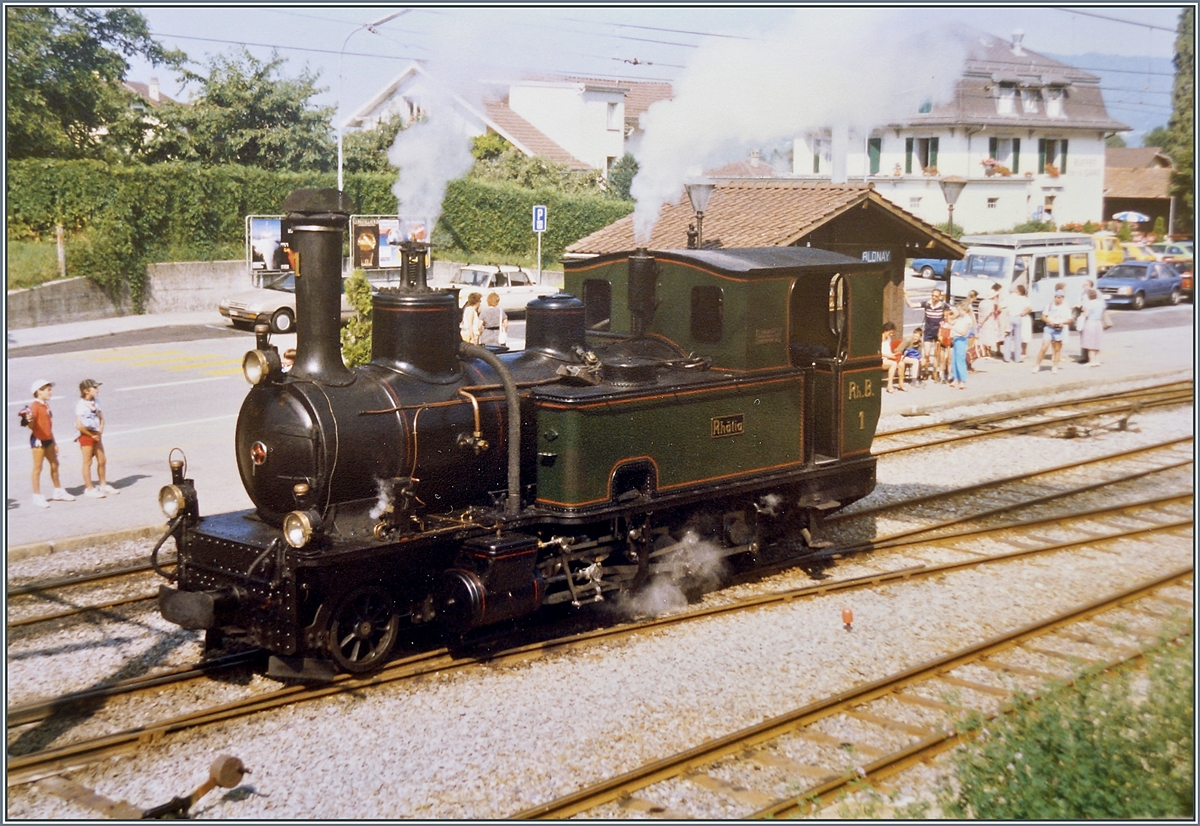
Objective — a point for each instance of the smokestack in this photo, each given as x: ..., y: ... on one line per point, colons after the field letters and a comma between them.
x: 642, y: 303
x: 318, y: 218
x: 1018, y: 36
x: 840, y: 144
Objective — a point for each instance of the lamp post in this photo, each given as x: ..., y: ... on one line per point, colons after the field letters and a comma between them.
x: 371, y: 28
x: 952, y: 187
x: 698, y: 194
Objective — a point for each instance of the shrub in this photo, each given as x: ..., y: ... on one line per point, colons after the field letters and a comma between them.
x: 1104, y: 748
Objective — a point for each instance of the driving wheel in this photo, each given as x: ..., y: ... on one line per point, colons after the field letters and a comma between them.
x: 363, y: 629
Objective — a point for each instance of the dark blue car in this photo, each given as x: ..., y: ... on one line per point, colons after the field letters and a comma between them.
x: 1138, y: 283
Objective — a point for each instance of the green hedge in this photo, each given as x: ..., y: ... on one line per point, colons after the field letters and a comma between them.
x: 124, y: 217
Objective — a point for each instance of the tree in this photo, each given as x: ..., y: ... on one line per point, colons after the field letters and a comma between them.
x: 1114, y: 142
x: 513, y: 166
x: 1181, y: 139
x: 249, y: 114
x: 1157, y: 136
x: 366, y: 150
x: 64, y: 68
x: 620, y: 177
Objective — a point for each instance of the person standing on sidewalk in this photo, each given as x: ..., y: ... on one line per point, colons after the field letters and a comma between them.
x: 41, y: 440
x: 961, y: 325
x: 89, y: 421
x: 935, y: 311
x: 1056, y: 319
x: 1018, y: 311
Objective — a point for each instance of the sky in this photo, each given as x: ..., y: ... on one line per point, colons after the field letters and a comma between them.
x: 629, y: 42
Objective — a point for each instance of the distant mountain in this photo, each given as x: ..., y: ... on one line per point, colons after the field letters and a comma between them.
x: 1137, y: 90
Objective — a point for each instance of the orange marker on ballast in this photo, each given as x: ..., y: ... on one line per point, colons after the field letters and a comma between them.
x: 847, y: 618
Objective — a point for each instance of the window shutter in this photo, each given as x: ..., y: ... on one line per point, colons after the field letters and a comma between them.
x: 874, y: 147
x: 1062, y: 156
x: 993, y: 147
x: 933, y: 146
x: 1041, y: 156
x: 908, y: 150
x: 1016, y: 155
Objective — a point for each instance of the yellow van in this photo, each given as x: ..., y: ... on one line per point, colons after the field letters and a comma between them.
x: 1109, y: 251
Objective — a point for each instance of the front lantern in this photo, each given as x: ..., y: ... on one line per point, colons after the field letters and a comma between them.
x: 299, y: 527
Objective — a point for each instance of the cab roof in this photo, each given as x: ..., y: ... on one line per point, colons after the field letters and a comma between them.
x: 741, y: 261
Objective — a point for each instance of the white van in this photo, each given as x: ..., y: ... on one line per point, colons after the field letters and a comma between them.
x: 1039, y: 260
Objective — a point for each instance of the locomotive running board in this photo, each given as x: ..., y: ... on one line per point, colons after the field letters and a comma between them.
x: 300, y: 668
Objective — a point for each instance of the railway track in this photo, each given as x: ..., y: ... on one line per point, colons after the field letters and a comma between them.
x: 1154, y: 518
x: 718, y: 767
x: 1118, y: 408
x: 49, y: 591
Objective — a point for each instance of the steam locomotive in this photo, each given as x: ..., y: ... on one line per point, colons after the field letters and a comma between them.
x: 726, y: 394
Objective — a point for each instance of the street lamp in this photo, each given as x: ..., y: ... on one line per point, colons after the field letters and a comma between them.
x: 698, y: 194
x: 952, y: 187
x: 371, y: 28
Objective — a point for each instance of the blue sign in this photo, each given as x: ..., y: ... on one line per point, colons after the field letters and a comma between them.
x: 539, y: 219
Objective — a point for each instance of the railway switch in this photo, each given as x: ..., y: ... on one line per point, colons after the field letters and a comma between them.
x: 226, y: 771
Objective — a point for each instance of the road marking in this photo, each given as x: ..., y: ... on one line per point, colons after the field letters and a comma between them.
x: 169, y: 384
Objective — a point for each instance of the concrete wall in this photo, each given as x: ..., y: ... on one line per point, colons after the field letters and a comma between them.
x: 193, y: 285
x: 171, y: 288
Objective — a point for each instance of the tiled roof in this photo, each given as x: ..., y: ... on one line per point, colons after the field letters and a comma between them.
x: 640, y: 95
x: 752, y: 167
x: 992, y: 61
x: 1137, y: 157
x: 142, y: 90
x: 1145, y: 182
x: 753, y: 213
x: 527, y: 136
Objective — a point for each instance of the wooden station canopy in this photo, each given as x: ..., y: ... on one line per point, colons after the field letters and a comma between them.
x: 851, y: 218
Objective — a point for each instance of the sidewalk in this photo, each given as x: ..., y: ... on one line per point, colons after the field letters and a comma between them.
x: 56, y: 333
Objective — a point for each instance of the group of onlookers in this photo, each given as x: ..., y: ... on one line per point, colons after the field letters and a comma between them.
x: 944, y: 347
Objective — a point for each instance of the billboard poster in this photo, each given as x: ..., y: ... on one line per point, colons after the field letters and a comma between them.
x: 389, y: 242
x: 266, y: 240
x: 366, y: 246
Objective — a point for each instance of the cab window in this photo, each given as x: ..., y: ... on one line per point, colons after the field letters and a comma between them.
x: 837, y: 305
x: 597, y: 304
x: 708, y: 314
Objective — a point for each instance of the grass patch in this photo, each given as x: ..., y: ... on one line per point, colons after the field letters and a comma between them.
x: 31, y: 263
x: 1114, y: 745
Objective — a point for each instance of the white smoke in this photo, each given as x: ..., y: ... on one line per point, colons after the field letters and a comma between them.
x: 429, y: 154
x: 828, y: 68
x: 692, y: 562
x: 384, y: 501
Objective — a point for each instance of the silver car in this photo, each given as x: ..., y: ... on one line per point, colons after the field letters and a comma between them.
x: 274, y: 303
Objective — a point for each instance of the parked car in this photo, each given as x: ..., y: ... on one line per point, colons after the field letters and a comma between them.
x: 273, y: 303
x: 1109, y: 252
x: 1136, y: 252
x: 515, y: 287
x: 1171, y: 252
x: 930, y: 267
x: 1138, y: 283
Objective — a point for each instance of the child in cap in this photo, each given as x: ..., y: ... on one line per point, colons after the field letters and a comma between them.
x: 89, y: 421
x: 41, y: 440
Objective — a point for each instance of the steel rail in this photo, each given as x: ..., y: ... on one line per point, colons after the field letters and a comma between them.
x: 84, y: 579
x: 874, y: 545
x: 609, y: 790
x: 991, y: 483
x: 987, y: 418
x: 27, y: 768
x: 1019, y: 428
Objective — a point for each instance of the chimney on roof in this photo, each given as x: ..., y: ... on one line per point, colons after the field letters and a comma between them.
x: 755, y: 157
x: 154, y: 89
x: 841, y: 145
x: 1018, y: 36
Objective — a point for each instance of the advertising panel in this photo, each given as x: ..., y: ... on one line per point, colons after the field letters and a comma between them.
x: 377, y: 238
x: 267, y: 249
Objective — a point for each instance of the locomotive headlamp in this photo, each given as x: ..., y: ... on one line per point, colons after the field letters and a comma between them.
x: 260, y: 364
x: 172, y: 500
x: 299, y: 527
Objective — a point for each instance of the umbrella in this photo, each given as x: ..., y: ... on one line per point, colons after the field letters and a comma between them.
x: 1131, y: 217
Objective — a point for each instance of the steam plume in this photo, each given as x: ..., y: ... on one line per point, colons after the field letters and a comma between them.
x: 839, y: 69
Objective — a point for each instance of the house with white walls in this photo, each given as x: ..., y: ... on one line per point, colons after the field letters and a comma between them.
x: 584, y: 123
x: 1026, y: 132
